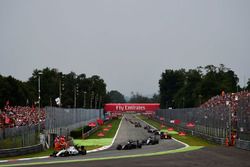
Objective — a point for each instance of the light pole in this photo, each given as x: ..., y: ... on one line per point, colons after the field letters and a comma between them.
x: 39, y: 100
x: 91, y: 98
x: 61, y: 88
x: 100, y: 100
x: 75, y: 94
x: 84, y: 99
x: 96, y: 99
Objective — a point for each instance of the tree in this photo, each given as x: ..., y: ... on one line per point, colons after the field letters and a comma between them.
x: 115, y: 96
x: 179, y: 88
x: 49, y: 81
x: 73, y: 87
x: 14, y: 91
x: 138, y: 98
x: 248, y: 85
x: 187, y: 96
x: 171, y: 81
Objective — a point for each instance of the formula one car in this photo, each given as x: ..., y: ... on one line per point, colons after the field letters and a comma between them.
x: 129, y: 146
x: 165, y: 136
x: 71, y: 151
x: 152, y: 140
x: 154, y: 131
x: 137, y: 124
x: 147, y: 127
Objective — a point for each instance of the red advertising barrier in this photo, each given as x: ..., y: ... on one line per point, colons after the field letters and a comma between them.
x: 190, y: 125
x: 170, y: 129
x: 100, y: 121
x: 123, y: 107
x: 176, y: 121
x: 92, y: 124
x: 163, y: 126
x: 182, y: 134
x: 105, y: 129
x: 100, y: 134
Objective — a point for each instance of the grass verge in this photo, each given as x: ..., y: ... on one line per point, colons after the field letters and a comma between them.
x: 109, y: 134
x: 190, y: 140
x: 106, y: 140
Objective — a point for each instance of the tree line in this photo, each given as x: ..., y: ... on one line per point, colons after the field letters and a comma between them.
x: 177, y: 88
x: 72, y: 90
x: 190, y: 88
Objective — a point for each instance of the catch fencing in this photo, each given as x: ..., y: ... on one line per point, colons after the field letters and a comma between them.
x: 19, y: 137
x: 243, y: 124
x: 209, y: 123
x: 214, y: 123
x: 61, y: 121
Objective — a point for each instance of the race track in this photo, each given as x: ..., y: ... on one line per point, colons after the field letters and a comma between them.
x: 127, y: 131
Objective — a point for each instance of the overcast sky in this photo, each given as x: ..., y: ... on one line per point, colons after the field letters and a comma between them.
x: 129, y: 43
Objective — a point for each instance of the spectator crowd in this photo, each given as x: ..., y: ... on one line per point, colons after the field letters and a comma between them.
x: 228, y: 99
x: 16, y: 116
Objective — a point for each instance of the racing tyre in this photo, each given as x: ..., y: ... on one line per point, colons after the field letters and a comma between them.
x: 119, y: 147
x: 83, y: 152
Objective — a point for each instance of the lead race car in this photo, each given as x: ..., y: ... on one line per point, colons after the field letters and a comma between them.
x: 129, y: 146
x: 70, y: 151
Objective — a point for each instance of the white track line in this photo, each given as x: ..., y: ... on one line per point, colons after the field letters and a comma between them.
x: 186, y: 145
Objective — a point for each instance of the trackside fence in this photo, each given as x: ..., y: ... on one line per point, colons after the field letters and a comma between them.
x: 243, y: 124
x: 213, y: 124
x: 209, y: 124
x: 60, y: 121
x: 19, y: 137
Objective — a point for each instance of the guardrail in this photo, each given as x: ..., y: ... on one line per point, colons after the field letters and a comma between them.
x: 87, y: 134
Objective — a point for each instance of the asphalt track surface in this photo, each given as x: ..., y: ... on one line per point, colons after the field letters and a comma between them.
x: 211, y: 156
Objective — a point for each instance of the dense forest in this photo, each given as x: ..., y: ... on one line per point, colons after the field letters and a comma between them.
x: 177, y: 88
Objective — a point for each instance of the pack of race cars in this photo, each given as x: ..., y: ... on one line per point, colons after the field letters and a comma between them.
x: 151, y: 140
x: 65, y: 147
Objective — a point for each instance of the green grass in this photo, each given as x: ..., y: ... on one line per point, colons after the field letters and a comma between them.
x: 190, y: 140
x: 93, y: 139
x: 170, y: 132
